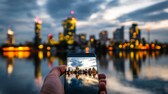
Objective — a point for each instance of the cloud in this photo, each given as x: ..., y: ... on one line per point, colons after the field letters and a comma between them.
x: 155, y: 25
x: 17, y: 14
x: 76, y: 63
x: 113, y: 16
x: 41, y: 2
x: 83, y: 9
x: 93, y: 15
x: 153, y: 12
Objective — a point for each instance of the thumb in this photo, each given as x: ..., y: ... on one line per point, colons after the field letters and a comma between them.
x: 58, y: 71
x: 52, y: 83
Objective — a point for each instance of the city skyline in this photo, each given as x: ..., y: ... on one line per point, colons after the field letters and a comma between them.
x: 106, y: 15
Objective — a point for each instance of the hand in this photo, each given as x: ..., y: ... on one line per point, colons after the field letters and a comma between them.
x: 102, y: 84
x: 52, y: 83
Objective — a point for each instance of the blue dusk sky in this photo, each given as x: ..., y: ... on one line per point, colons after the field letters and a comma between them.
x: 93, y: 16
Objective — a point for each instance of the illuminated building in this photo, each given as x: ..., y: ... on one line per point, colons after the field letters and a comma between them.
x: 10, y: 37
x: 20, y: 48
x: 61, y: 37
x: 135, y: 34
x: 69, y: 26
x: 92, y: 40
x: 103, y: 36
x: 118, y: 34
x: 82, y: 38
x: 37, y: 38
x: 51, y: 40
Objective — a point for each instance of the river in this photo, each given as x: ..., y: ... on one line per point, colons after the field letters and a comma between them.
x: 139, y: 72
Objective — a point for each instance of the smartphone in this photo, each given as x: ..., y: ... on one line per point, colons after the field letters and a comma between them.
x: 81, y: 74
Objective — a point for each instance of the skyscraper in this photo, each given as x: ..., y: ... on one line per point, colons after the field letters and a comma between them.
x: 10, y: 37
x: 69, y: 26
x: 37, y: 38
x: 103, y: 36
x: 118, y: 34
x: 82, y: 38
x: 61, y: 37
x: 135, y: 34
x: 92, y: 40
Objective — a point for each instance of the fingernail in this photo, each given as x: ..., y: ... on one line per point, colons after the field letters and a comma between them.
x: 102, y: 76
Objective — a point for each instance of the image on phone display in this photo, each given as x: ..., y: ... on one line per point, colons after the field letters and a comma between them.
x: 81, y: 76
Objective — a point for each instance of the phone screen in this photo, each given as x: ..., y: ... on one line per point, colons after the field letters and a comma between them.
x: 81, y: 74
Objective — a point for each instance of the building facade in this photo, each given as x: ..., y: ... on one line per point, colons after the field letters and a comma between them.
x: 103, y: 37
x: 118, y: 34
x: 10, y: 37
x: 135, y: 34
x: 69, y: 26
x: 37, y: 38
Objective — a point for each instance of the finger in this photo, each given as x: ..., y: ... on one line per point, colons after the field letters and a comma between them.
x: 102, y: 80
x: 58, y: 71
x: 102, y: 76
x: 102, y: 92
x: 102, y: 86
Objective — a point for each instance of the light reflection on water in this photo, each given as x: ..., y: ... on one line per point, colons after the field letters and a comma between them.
x: 127, y: 72
x: 135, y: 72
x: 81, y: 84
x: 87, y: 80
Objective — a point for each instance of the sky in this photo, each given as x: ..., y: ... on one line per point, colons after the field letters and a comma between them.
x: 82, y: 62
x: 93, y: 16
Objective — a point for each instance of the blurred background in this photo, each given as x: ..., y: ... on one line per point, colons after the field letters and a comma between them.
x: 128, y: 37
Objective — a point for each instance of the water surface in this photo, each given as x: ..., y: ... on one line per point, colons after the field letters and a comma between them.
x: 127, y: 72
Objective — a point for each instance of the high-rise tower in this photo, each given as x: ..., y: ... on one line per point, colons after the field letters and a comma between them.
x: 135, y: 34
x: 103, y: 36
x: 69, y: 26
x: 37, y: 38
x: 118, y: 34
x: 10, y: 37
